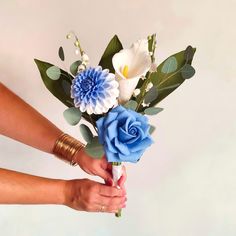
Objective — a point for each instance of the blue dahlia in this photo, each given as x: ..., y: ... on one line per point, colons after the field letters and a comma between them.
x: 95, y: 90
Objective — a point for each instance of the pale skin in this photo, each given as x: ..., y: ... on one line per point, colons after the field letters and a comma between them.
x: 19, y: 121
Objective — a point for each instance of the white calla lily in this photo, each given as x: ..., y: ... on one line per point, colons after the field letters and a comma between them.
x: 130, y: 65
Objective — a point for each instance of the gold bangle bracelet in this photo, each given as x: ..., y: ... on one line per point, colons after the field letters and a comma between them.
x: 66, y: 147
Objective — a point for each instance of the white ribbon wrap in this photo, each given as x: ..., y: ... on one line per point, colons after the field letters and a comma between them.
x: 116, y: 173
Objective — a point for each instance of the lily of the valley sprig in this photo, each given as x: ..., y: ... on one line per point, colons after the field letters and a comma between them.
x: 117, y: 95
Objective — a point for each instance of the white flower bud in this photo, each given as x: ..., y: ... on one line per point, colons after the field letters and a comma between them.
x: 149, y: 86
x: 145, y: 104
x: 81, y: 67
x: 85, y: 58
x: 136, y: 92
x: 143, y: 77
x: 77, y: 51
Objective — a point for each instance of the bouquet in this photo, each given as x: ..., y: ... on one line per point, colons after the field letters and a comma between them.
x: 117, y: 96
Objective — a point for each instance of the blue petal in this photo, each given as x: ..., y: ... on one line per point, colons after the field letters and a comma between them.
x: 110, y: 117
x: 122, y: 147
x: 112, y: 157
x: 100, y: 127
x: 124, y: 136
x: 140, y: 145
x: 112, y: 130
x: 110, y: 145
x: 133, y: 157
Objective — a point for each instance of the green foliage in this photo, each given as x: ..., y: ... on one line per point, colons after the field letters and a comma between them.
x: 53, y: 72
x: 169, y: 66
x: 151, y: 95
x: 152, y: 110
x: 131, y: 104
x: 113, y: 47
x: 61, y: 53
x: 94, y: 149
x: 72, y: 115
x: 152, y: 129
x: 59, y: 88
x: 74, y: 67
x: 86, y: 133
x: 187, y: 72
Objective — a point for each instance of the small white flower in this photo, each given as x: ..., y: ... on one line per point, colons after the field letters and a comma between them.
x: 143, y: 77
x: 77, y: 51
x: 149, y: 86
x: 85, y: 58
x: 81, y: 67
x: 136, y: 92
x: 145, y: 104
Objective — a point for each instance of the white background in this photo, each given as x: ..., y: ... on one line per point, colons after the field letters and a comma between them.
x: 186, y: 183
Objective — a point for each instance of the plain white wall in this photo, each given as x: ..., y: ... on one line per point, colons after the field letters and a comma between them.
x: 186, y: 183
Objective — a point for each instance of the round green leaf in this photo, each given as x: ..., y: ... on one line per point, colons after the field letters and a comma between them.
x: 74, y: 67
x: 131, y: 105
x: 53, y: 72
x: 94, y: 149
x: 61, y: 53
x: 170, y: 65
x: 153, y: 110
x: 187, y: 71
x: 151, y: 95
x: 72, y: 115
x: 152, y: 129
x: 86, y: 133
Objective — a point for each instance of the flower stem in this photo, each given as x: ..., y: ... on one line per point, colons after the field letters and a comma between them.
x: 117, y: 214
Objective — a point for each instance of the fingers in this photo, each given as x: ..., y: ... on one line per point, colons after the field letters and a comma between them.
x: 123, y: 178
x: 105, y: 175
x: 109, y: 191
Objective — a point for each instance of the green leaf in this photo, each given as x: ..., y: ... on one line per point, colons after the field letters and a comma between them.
x: 53, y: 72
x: 59, y: 88
x: 170, y: 65
x: 74, y: 67
x: 113, y: 47
x: 189, y: 53
x: 187, y: 71
x: 86, y: 133
x: 152, y: 129
x: 61, y: 53
x: 152, y: 110
x: 131, y: 105
x: 72, y: 115
x: 151, y: 95
x: 94, y: 149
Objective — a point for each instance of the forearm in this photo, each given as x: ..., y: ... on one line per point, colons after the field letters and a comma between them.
x: 18, y: 120
x: 19, y: 188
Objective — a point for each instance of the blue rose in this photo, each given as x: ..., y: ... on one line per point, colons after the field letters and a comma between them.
x: 124, y: 134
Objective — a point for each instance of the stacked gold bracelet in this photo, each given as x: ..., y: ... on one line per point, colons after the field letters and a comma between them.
x: 66, y: 147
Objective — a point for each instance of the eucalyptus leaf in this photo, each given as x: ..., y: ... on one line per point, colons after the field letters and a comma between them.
x: 59, y: 88
x: 152, y: 129
x: 74, y: 67
x: 113, y: 47
x: 86, y: 133
x: 170, y: 65
x: 61, y: 53
x: 72, y: 115
x: 95, y: 149
x: 153, y: 110
x: 187, y: 71
x: 53, y: 73
x: 151, y: 95
x: 131, y: 105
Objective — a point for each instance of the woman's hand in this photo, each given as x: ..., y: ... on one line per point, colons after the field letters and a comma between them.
x: 99, y: 167
x: 91, y: 196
